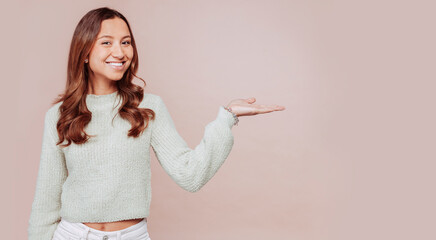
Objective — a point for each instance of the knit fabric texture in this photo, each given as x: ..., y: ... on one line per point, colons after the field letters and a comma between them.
x: 108, y: 178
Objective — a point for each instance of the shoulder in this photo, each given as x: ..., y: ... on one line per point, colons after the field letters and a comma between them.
x: 150, y: 100
x: 52, y: 114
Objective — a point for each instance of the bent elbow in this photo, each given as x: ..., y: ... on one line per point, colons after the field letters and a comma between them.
x: 192, y: 188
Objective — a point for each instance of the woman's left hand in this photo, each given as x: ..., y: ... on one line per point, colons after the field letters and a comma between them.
x: 246, y: 107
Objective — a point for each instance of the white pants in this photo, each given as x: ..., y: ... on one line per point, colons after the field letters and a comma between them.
x: 79, y: 231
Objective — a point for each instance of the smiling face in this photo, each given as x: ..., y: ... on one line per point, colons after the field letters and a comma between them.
x: 112, y: 53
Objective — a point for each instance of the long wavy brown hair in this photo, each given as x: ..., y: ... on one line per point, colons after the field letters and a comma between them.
x: 74, y: 114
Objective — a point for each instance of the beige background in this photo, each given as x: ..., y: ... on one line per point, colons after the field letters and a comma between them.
x: 350, y: 158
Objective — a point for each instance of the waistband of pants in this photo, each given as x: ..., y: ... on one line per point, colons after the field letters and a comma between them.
x: 85, y: 230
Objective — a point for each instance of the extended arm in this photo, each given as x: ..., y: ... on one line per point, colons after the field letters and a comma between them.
x: 191, y: 168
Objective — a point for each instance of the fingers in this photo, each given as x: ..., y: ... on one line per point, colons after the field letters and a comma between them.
x: 279, y: 108
x: 261, y: 108
x: 269, y: 108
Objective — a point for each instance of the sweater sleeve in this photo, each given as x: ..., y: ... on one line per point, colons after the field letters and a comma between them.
x: 191, y: 168
x: 44, y: 216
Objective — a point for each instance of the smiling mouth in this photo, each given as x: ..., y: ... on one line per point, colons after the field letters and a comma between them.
x: 116, y: 65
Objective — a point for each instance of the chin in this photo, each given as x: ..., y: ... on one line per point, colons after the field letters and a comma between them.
x: 116, y: 78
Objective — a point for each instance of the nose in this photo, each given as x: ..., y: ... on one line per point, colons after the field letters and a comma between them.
x: 117, y: 51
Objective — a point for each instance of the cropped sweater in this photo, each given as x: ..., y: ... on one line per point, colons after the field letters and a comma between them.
x: 108, y: 178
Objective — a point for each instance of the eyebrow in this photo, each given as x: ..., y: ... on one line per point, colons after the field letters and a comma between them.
x: 127, y: 36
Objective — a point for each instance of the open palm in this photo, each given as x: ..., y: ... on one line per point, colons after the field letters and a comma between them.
x: 246, y: 107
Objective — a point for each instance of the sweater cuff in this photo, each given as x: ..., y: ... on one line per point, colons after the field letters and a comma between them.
x: 226, y: 117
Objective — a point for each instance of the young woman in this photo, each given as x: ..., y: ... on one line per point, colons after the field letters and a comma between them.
x: 94, y: 173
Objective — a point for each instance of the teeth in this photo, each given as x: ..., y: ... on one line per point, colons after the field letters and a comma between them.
x: 116, y: 64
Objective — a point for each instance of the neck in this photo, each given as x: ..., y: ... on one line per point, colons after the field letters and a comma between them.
x: 102, y: 102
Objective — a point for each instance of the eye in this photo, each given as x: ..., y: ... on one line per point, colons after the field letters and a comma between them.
x: 104, y: 43
x: 127, y: 42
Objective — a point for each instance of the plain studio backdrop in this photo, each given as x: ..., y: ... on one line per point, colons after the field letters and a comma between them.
x: 351, y: 157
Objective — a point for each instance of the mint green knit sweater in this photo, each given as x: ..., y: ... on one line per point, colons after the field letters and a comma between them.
x: 108, y: 178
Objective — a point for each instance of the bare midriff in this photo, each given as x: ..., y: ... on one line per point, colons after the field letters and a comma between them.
x: 114, y: 226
